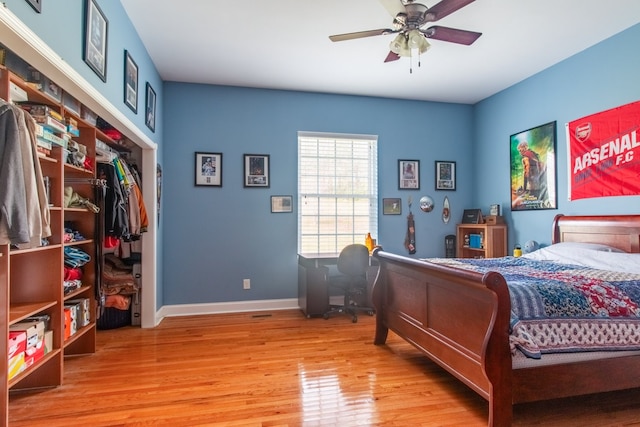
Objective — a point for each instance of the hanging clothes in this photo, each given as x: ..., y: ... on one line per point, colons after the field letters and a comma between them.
x: 116, y: 219
x: 14, y: 227
x: 25, y: 216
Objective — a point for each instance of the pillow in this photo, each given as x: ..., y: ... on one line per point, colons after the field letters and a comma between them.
x: 593, y: 255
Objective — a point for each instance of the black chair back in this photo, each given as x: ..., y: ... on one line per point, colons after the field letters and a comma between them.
x: 353, y: 260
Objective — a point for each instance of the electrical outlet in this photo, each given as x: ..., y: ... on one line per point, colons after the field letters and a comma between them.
x: 246, y: 284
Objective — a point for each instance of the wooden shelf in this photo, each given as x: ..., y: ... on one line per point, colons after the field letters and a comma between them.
x: 79, y: 242
x: 79, y: 334
x: 33, y: 368
x: 49, y: 247
x: 33, y: 277
x: 493, y: 245
x: 18, y: 312
x: 81, y: 290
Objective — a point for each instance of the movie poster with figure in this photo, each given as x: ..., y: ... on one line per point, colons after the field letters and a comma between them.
x: 533, y: 168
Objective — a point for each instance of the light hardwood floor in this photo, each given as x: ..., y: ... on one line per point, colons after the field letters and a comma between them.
x: 278, y: 369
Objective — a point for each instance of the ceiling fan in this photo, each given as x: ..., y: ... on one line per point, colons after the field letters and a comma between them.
x: 408, y: 19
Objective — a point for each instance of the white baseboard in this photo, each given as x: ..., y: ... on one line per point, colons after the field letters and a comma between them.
x: 225, y: 307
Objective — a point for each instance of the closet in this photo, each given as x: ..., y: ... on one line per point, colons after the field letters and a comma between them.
x: 122, y: 222
x: 54, y: 282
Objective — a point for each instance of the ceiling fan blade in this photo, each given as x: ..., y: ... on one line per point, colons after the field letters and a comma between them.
x: 393, y: 6
x: 452, y: 35
x: 392, y: 57
x: 444, y: 8
x: 360, y: 34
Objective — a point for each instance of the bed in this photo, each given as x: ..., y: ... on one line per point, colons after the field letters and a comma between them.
x: 461, y: 319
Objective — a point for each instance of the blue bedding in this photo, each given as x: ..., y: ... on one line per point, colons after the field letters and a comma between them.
x: 564, y: 308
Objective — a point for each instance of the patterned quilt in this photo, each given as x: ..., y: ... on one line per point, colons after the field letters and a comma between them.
x: 564, y: 308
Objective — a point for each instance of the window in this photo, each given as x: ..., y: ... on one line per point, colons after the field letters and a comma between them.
x: 337, y: 190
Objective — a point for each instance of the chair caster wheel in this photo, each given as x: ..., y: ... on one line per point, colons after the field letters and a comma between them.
x: 354, y: 319
x: 325, y: 316
x: 370, y: 313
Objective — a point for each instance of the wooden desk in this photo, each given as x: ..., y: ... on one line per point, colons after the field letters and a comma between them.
x: 313, y: 288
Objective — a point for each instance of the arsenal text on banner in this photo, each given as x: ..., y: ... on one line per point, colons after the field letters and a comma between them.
x: 604, y: 153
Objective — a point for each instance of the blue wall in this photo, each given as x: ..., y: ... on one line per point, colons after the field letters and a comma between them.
x: 61, y: 26
x: 216, y: 237
x: 599, y: 78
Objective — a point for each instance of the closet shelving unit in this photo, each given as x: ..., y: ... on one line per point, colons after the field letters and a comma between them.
x: 31, y: 279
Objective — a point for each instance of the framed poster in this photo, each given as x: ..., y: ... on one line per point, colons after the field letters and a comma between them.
x: 256, y: 170
x: 96, y: 29
x: 150, y: 109
x: 36, y: 5
x: 130, y: 82
x: 208, y: 169
x: 533, y: 168
x: 409, y: 174
x: 391, y: 206
x: 445, y: 175
x: 281, y: 204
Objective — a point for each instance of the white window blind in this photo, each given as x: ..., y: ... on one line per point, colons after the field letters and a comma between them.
x: 337, y: 190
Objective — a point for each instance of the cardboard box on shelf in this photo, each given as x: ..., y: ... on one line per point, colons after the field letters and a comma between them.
x: 88, y: 116
x: 71, y: 104
x: 43, y: 84
x: 34, y: 330
x: 67, y: 323
x: 493, y: 220
x: 17, y: 94
x: 33, y: 354
x: 17, y: 343
x: 48, y: 341
x: 83, y: 311
x: 16, y: 365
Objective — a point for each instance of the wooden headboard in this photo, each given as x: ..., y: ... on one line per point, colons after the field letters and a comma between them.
x: 618, y: 231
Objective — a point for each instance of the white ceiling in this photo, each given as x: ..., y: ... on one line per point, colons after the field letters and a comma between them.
x: 284, y: 44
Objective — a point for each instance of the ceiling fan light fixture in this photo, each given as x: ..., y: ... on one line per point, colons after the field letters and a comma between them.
x: 415, y: 39
x: 399, y: 45
x: 424, y: 45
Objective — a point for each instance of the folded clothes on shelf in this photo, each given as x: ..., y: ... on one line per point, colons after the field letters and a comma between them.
x: 74, y: 257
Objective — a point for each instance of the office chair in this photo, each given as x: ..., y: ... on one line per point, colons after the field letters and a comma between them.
x: 353, y: 263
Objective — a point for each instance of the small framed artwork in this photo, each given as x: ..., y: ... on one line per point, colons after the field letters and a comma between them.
x: 409, y: 174
x: 208, y: 169
x: 256, y: 170
x: 445, y: 175
x: 494, y: 210
x: 35, y: 4
x: 96, y: 28
x: 533, y: 168
x: 130, y: 82
x: 280, y: 204
x: 391, y: 206
x: 150, y: 109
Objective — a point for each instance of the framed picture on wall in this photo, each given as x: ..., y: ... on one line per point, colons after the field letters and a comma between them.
x: 35, y: 4
x: 533, y: 168
x: 130, y: 82
x: 95, y: 39
x: 445, y: 175
x: 208, y: 169
x: 391, y: 206
x: 281, y: 204
x: 150, y: 109
x: 256, y: 170
x: 409, y: 174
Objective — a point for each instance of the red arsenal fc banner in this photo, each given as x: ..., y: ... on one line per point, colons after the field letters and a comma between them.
x: 604, y: 153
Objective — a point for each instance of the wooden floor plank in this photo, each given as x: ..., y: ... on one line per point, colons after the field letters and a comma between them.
x: 277, y: 369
